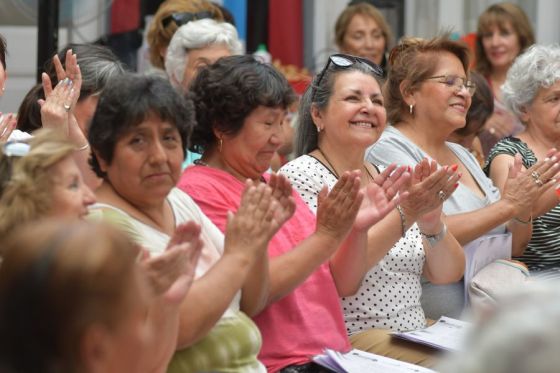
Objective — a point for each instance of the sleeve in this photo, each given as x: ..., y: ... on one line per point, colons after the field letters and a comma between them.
x: 116, y: 219
x: 391, y: 149
x: 510, y: 147
x: 305, y: 184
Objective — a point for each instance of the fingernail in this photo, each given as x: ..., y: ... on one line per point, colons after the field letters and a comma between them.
x: 557, y: 191
x: 456, y: 185
x: 554, y: 159
x: 547, y: 159
x: 454, y: 167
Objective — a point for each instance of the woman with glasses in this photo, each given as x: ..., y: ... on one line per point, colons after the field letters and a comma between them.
x: 313, y: 260
x: 532, y: 92
x: 428, y: 95
x: 341, y: 115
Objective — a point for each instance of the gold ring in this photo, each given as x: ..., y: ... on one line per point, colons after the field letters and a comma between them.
x: 441, y: 194
x: 535, y: 175
x: 539, y: 182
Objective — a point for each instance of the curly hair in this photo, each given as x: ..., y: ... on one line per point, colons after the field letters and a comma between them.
x: 412, y: 61
x: 128, y: 100
x: 159, y: 35
x: 27, y: 181
x: 226, y: 92
x: 58, y: 279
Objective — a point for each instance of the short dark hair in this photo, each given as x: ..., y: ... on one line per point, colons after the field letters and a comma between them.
x: 29, y: 112
x: 3, y: 51
x: 226, y: 92
x: 125, y: 103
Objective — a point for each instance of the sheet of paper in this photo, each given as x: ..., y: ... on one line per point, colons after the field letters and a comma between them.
x: 483, y: 251
x: 446, y: 334
x: 357, y: 361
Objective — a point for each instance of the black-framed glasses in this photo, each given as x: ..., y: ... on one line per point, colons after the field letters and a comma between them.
x: 344, y: 61
x: 183, y: 18
x: 455, y: 82
x: 15, y: 148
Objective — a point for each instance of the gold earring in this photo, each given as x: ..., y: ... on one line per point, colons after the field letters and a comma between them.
x: 411, y: 109
x: 221, y: 142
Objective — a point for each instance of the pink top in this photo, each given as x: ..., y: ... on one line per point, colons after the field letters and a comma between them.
x: 308, y: 319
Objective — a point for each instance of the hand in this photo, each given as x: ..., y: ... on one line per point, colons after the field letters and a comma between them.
x: 171, y: 274
x: 500, y: 124
x: 282, y: 193
x: 375, y: 206
x: 55, y: 109
x: 424, y: 191
x: 337, y: 209
x: 71, y: 71
x: 251, y: 228
x: 8, y: 124
x: 393, y: 180
x: 524, y: 187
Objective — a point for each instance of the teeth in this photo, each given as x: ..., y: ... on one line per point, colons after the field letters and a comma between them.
x: 363, y: 124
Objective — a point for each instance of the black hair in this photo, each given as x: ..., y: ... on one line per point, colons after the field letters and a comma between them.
x: 226, y: 92
x: 3, y: 51
x: 125, y: 103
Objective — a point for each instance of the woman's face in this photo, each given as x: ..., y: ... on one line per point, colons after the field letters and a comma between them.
x: 364, y: 38
x: 146, y: 162
x: 355, y: 115
x: 70, y: 196
x: 501, y: 45
x: 544, y: 112
x: 439, y: 104
x: 250, y: 151
x: 200, y: 58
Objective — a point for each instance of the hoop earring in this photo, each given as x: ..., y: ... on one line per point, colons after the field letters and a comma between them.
x: 411, y: 109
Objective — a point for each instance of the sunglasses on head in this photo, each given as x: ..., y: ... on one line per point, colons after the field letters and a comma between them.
x: 183, y: 18
x: 344, y: 61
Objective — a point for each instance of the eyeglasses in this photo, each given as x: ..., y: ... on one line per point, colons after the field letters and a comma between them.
x: 344, y: 61
x: 15, y: 149
x: 455, y: 82
x: 183, y: 18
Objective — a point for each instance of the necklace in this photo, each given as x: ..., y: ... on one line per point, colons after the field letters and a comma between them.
x: 333, y: 170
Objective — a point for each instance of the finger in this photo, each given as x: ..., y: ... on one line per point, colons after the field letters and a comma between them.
x: 47, y: 84
x: 60, y: 73
x: 383, y: 176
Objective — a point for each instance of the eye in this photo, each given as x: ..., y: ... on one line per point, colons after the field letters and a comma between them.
x: 450, y: 80
x: 136, y: 140
x: 352, y: 98
x: 377, y: 101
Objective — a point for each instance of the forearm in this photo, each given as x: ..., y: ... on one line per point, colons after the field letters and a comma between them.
x: 163, y: 323
x: 349, y: 263
x: 521, y: 235
x: 209, y: 297
x: 290, y: 269
x: 445, y: 262
x: 545, y: 203
x: 255, y: 290
x: 466, y: 227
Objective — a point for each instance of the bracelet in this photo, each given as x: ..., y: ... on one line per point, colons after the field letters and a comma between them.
x: 524, y: 222
x: 403, y: 220
x: 433, y: 239
x: 83, y: 147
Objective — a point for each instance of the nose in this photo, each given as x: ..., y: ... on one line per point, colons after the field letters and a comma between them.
x: 88, y: 196
x: 369, y: 42
x: 157, y: 152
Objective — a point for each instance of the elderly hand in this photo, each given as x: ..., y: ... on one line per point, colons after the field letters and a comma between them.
x: 282, y: 193
x: 393, y: 180
x: 171, y: 274
x: 337, y: 209
x: 524, y: 187
x: 55, y: 109
x: 428, y: 189
x: 255, y: 222
x: 500, y: 124
x: 8, y: 124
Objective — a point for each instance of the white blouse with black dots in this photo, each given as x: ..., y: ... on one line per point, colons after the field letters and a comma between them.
x: 389, y: 297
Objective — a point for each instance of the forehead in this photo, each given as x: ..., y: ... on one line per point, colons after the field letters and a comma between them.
x: 450, y: 64
x: 362, y: 21
x: 210, y: 52
x: 355, y: 80
x: 496, y: 21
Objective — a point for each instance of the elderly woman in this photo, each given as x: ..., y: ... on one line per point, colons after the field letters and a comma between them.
x: 342, y: 113
x: 532, y: 92
x: 170, y: 16
x: 42, y: 180
x: 361, y: 30
x: 138, y: 147
x: 103, y: 328
x: 240, y: 107
x: 428, y: 95
x: 196, y: 45
x: 503, y: 33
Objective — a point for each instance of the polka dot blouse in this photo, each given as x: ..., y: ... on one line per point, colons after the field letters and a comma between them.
x: 389, y: 297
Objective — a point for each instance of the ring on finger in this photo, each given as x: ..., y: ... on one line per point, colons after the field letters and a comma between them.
x: 441, y: 194
x: 535, y: 175
x: 67, y: 107
x: 538, y: 182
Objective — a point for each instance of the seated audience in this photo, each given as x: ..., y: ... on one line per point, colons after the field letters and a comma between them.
x: 532, y: 92
x: 427, y: 96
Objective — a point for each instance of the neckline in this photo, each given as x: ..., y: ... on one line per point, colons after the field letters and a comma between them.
x: 333, y: 171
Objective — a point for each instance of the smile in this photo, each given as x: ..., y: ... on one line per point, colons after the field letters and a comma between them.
x: 367, y: 125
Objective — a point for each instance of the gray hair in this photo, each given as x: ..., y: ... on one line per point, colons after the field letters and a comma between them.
x: 195, y: 35
x: 538, y: 67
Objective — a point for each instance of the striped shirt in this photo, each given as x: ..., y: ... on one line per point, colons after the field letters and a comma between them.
x: 543, y: 250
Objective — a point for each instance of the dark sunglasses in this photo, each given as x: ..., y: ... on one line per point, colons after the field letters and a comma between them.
x: 183, y: 18
x: 344, y: 61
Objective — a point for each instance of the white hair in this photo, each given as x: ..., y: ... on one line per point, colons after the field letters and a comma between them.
x: 195, y: 35
x: 538, y: 67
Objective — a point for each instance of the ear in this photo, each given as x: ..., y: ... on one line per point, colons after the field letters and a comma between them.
x: 524, y: 114
x: 217, y: 133
x: 407, y: 92
x: 102, y: 163
x: 95, y: 348
x: 317, y: 116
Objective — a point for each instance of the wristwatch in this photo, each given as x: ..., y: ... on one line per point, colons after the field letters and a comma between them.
x: 433, y: 239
